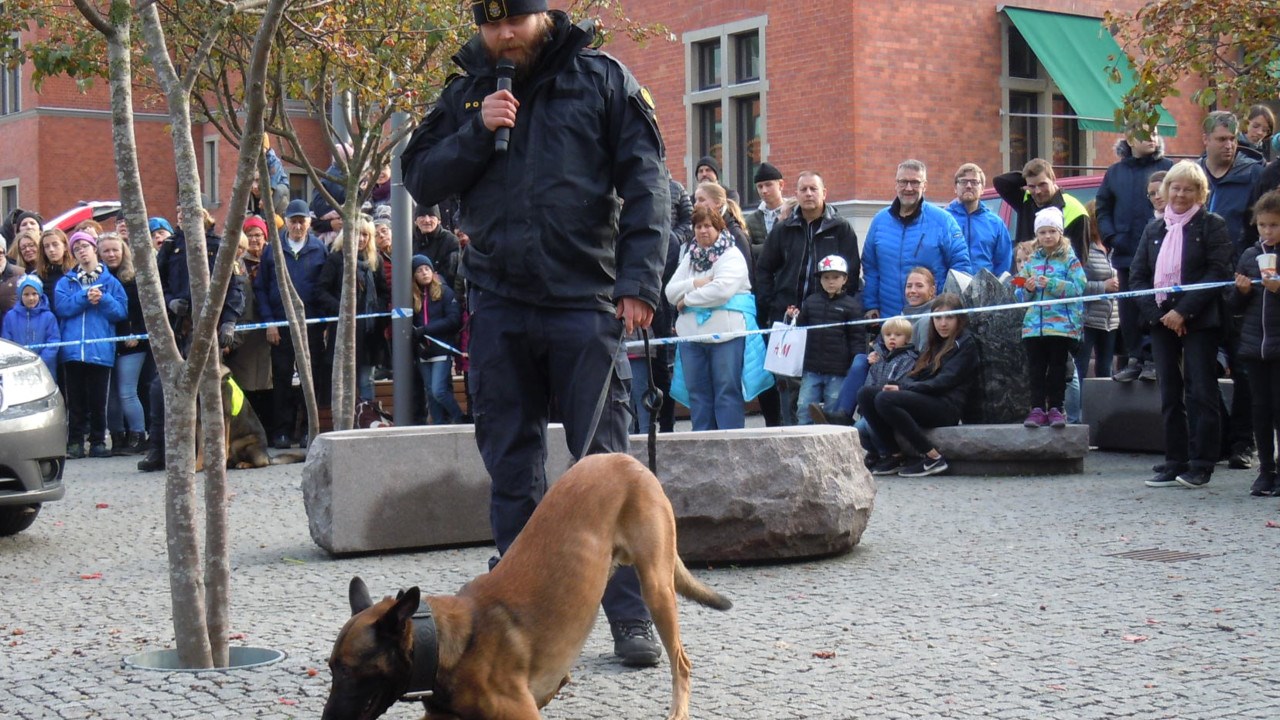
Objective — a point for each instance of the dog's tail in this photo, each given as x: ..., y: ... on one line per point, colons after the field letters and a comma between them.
x: 689, y: 586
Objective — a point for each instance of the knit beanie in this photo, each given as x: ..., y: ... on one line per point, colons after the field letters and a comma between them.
x: 420, y: 260
x: 1049, y: 217
x: 81, y: 236
x: 709, y: 162
x: 253, y: 221
x: 766, y: 172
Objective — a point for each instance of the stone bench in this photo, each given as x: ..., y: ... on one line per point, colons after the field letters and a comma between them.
x: 1011, y: 449
x: 1126, y: 416
x: 738, y: 495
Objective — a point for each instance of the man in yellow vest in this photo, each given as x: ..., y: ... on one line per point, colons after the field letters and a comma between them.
x: 1034, y: 189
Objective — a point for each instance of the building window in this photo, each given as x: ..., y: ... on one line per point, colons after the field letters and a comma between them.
x: 726, y: 101
x: 1039, y: 122
x: 10, y: 84
x: 299, y: 186
x: 210, y: 178
x: 8, y: 197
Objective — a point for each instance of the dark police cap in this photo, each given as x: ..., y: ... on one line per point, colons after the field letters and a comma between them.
x: 487, y: 11
x: 767, y: 172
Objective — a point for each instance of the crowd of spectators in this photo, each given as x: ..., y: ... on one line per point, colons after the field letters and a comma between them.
x: 729, y: 271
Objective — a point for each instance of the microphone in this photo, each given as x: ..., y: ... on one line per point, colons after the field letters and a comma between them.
x: 506, y: 70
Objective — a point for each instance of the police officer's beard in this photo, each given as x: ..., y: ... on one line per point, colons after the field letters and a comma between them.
x: 527, y: 60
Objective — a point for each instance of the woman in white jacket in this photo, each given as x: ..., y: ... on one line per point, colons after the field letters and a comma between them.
x: 710, y: 290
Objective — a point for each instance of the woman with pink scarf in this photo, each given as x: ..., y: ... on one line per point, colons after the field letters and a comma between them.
x: 1187, y: 244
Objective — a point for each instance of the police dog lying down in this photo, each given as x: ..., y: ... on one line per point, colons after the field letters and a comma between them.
x: 246, y: 437
x: 506, y: 641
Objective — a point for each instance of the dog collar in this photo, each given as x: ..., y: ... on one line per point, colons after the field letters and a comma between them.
x: 426, y: 657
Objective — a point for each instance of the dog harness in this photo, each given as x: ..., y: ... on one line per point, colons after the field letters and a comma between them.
x: 237, y: 397
x: 426, y: 660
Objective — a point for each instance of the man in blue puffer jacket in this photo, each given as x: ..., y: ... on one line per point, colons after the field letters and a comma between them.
x: 990, y: 246
x: 907, y: 234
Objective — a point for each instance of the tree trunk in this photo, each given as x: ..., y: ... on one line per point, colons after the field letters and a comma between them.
x: 345, y: 386
x: 217, y: 553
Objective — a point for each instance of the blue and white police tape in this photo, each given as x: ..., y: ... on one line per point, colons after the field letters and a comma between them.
x: 247, y: 327
x: 638, y: 345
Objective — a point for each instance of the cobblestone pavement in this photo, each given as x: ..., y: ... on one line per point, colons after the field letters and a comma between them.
x: 968, y: 598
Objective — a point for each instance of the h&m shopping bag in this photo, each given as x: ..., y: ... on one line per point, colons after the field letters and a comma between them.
x: 785, y: 355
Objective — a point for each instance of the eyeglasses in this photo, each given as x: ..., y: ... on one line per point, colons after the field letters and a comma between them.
x: 969, y: 183
x: 1153, y: 195
x: 910, y: 183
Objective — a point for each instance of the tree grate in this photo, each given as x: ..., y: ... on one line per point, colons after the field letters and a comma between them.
x: 1159, y: 555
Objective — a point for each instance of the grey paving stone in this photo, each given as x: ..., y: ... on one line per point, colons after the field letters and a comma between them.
x: 967, y: 598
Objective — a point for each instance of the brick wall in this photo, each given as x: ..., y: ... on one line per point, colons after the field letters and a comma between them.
x: 854, y: 88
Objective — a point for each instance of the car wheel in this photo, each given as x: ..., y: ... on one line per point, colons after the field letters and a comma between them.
x: 17, y: 518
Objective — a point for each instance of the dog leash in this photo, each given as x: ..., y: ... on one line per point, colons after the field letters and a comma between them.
x: 652, y: 400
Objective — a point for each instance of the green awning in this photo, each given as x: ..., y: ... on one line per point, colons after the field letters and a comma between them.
x: 1074, y: 49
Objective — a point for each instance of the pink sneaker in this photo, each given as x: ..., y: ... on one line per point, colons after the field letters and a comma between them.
x: 1056, y: 418
x: 1035, y: 419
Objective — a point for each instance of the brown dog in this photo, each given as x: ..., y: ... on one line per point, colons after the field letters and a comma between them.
x: 507, y: 640
x: 246, y: 437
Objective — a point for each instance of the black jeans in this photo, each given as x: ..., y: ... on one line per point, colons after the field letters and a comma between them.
x: 1137, y: 343
x: 1265, y: 378
x: 88, y: 386
x: 1240, y: 420
x: 284, y: 396
x: 1187, y: 368
x: 1046, y: 356
x: 905, y: 412
x: 1100, y: 346
x: 525, y: 358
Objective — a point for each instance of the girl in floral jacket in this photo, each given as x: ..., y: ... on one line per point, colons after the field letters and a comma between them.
x: 1050, y: 332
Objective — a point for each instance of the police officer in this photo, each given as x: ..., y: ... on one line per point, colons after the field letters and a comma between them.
x: 568, y: 233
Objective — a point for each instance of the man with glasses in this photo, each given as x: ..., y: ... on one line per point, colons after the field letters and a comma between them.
x: 989, y: 245
x: 1124, y: 209
x: 909, y: 233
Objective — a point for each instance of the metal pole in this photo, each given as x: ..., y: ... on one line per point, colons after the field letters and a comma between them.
x: 401, y: 296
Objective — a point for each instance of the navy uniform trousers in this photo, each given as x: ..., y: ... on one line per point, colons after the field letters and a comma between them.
x: 524, y: 359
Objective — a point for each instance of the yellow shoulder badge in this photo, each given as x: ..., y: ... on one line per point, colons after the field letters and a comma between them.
x: 648, y: 99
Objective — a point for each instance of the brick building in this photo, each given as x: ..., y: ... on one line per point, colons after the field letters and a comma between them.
x: 851, y: 88
x: 845, y: 88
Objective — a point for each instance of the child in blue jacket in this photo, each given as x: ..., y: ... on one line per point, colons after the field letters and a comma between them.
x: 31, y: 322
x: 1051, y: 332
x: 90, y: 301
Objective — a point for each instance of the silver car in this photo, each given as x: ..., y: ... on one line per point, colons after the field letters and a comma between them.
x: 33, y: 437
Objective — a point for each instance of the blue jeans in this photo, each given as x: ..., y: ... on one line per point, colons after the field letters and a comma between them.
x: 817, y: 388
x: 364, y: 381
x: 847, y: 402
x: 437, y: 378
x: 124, y: 411
x: 639, y: 386
x: 1072, y: 409
x: 713, y: 376
x: 870, y: 441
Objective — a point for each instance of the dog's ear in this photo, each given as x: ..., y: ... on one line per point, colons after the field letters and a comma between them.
x: 358, y: 595
x: 406, y: 605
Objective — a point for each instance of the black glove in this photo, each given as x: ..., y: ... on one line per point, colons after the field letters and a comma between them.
x: 226, y: 334
x: 180, y: 307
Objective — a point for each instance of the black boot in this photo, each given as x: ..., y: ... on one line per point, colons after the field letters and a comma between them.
x: 153, y: 461
x: 135, y: 444
x: 118, y: 443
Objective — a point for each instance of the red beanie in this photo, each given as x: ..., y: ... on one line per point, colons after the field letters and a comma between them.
x: 253, y: 221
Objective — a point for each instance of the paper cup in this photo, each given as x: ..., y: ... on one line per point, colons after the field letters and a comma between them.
x: 1267, y: 261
